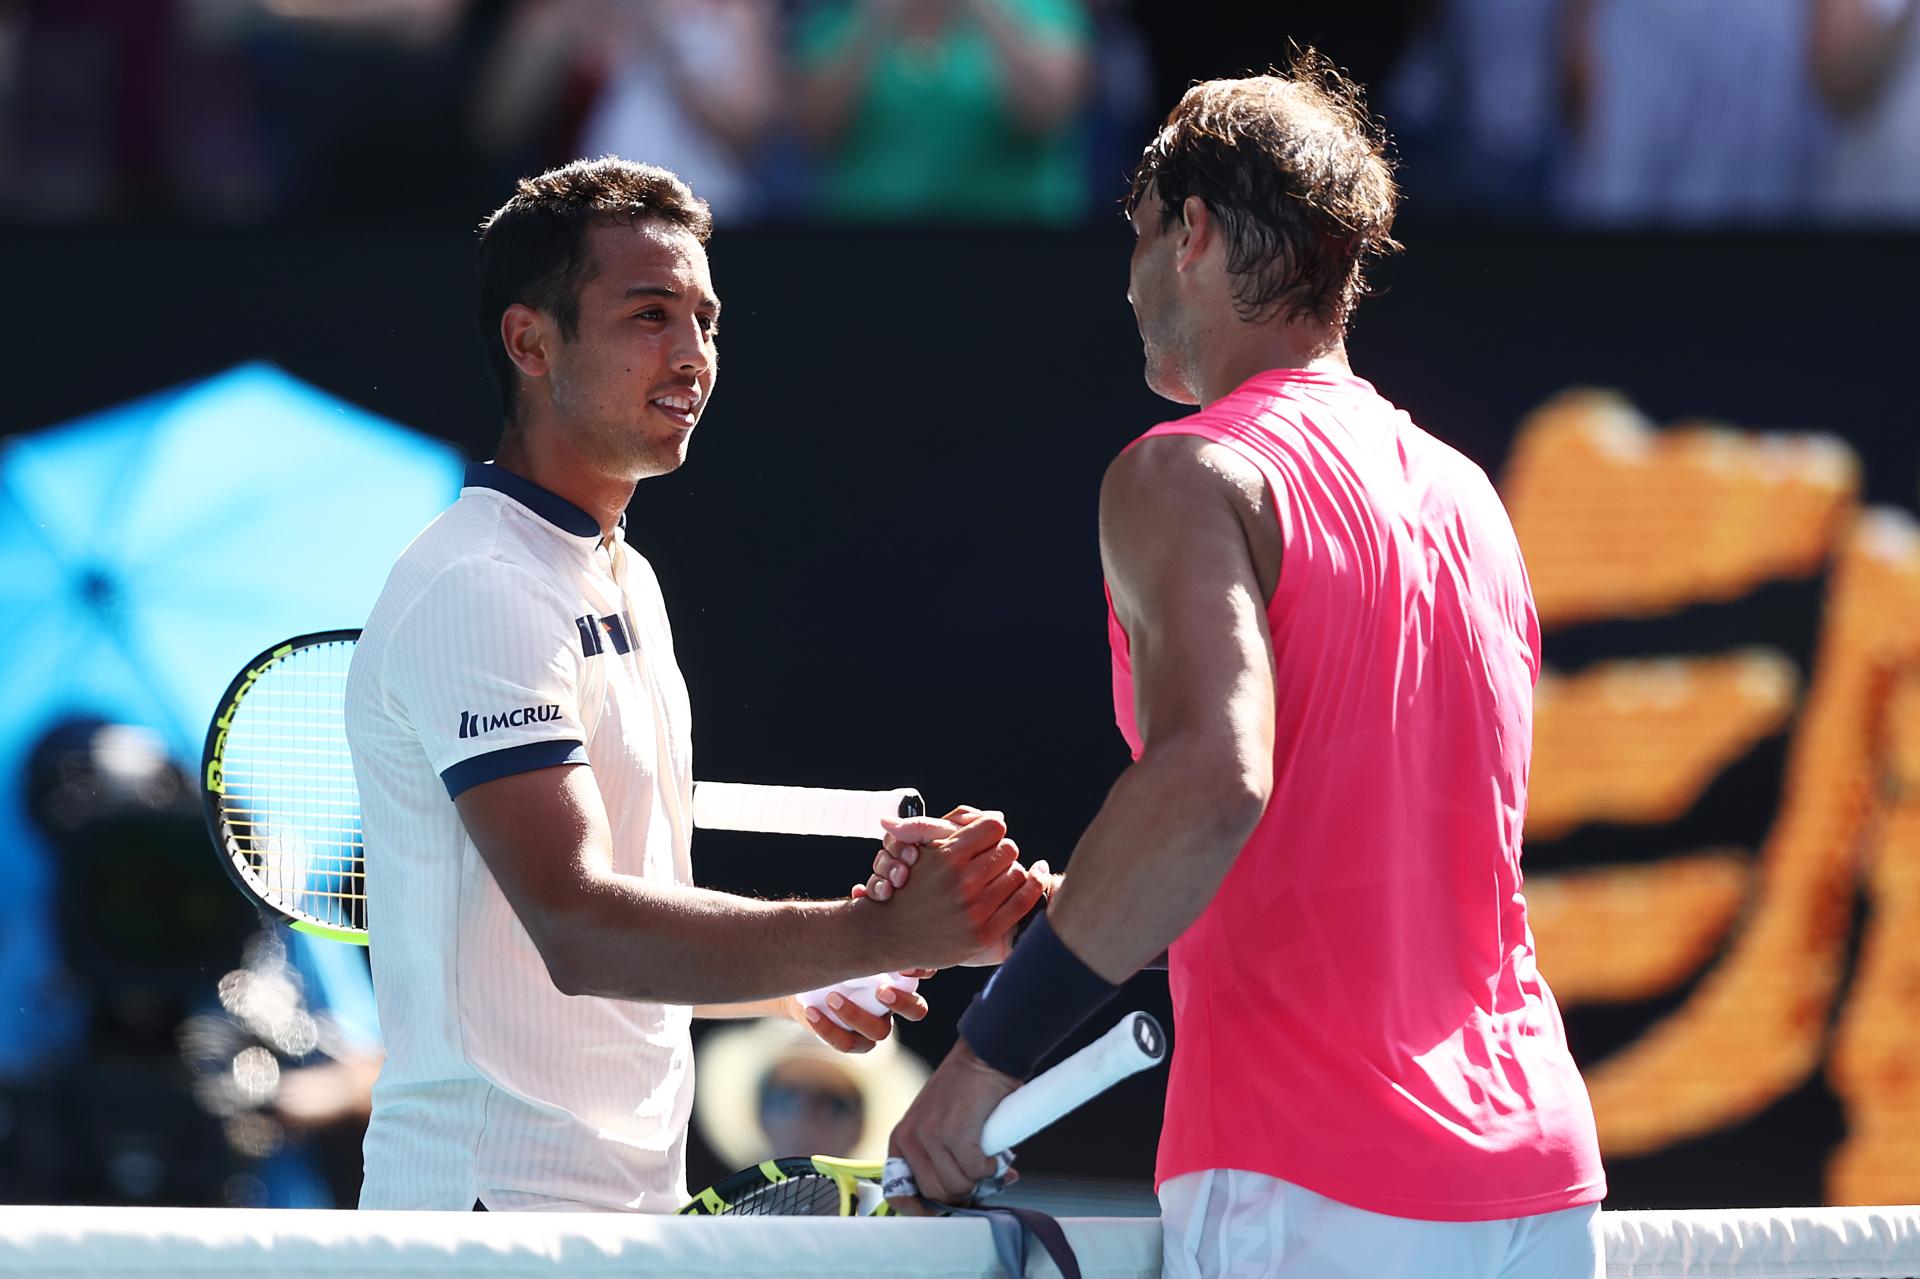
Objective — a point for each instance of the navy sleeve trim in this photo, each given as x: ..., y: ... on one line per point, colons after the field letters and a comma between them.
x: 526, y: 757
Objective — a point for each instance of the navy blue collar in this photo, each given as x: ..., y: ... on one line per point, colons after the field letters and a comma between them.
x: 549, y: 506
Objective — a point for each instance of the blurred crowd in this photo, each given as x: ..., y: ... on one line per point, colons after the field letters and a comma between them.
x: 957, y: 110
x: 1707, y: 112
x: 998, y: 111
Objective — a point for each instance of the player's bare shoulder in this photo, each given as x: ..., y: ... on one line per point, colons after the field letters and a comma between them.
x: 1178, y: 469
x: 1175, y: 482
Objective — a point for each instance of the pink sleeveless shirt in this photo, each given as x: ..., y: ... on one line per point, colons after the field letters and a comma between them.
x: 1358, y: 1011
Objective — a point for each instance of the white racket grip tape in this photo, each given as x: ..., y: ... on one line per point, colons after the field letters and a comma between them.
x: 801, y: 810
x: 864, y: 991
x: 1130, y: 1047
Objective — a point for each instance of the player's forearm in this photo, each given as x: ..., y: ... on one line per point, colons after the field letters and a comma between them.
x: 629, y: 939
x: 781, y: 1007
x: 1154, y: 856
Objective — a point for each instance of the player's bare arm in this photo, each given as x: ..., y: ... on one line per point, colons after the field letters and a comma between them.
x: 1184, y: 538
x: 900, y: 848
x: 1191, y: 564
x: 545, y: 837
x: 1192, y: 553
x: 862, y: 1030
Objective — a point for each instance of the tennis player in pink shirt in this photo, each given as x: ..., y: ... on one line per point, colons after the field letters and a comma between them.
x: 1324, y: 650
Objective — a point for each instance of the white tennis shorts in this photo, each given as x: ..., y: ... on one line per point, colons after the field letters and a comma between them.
x: 1229, y: 1224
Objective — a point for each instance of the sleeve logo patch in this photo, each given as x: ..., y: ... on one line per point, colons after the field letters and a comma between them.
x: 474, y: 723
x: 618, y: 628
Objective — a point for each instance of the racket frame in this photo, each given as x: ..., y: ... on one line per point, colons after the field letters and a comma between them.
x: 213, y: 791
x: 213, y: 784
x: 716, y: 1200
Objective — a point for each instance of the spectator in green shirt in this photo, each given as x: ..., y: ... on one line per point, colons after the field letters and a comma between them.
x: 947, y: 110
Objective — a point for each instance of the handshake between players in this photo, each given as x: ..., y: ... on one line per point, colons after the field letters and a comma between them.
x: 969, y: 894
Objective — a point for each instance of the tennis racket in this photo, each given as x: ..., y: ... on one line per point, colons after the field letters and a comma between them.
x: 277, y: 782
x: 822, y: 1186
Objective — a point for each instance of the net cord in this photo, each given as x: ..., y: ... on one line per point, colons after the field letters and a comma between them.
x: 161, y: 1243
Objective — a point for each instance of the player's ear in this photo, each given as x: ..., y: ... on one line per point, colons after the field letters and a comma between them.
x: 527, y: 335
x: 1197, y: 230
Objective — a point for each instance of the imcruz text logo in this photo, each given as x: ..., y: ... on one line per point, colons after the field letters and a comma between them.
x: 473, y: 723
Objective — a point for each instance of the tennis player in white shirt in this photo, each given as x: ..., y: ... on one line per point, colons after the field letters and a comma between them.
x: 520, y: 737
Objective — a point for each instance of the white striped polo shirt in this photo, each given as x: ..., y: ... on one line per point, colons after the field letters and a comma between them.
x: 509, y: 638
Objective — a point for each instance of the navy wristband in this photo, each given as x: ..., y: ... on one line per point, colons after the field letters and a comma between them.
x: 1038, y: 997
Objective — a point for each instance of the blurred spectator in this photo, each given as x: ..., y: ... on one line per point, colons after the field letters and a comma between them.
x: 359, y: 101
x: 1696, y: 112
x: 1121, y: 105
x: 949, y: 110
x: 686, y: 84
x: 89, y: 105
x: 137, y: 911
x: 1474, y: 107
x: 141, y: 922
x: 769, y: 1089
x: 235, y: 108
x: 1866, y: 58
x: 1207, y: 39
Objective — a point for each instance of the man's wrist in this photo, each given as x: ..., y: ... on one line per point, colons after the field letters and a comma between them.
x: 855, y: 935
x: 1035, y: 999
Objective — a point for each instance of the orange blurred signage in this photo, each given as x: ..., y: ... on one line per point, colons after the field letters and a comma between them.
x: 1619, y: 519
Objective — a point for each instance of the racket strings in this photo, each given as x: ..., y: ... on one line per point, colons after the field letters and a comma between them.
x: 289, y: 805
x: 804, y: 1195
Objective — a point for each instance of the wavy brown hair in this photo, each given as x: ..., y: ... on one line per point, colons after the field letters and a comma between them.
x: 1295, y: 169
x: 533, y: 248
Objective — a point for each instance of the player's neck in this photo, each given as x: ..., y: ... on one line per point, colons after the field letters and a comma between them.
x: 535, y: 456
x: 1233, y: 356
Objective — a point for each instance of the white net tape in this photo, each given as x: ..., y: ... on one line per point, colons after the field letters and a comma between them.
x: 214, y: 1243
x: 1758, y: 1243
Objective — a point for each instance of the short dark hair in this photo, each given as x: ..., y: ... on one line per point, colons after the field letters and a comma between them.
x: 533, y: 248
x: 1296, y: 171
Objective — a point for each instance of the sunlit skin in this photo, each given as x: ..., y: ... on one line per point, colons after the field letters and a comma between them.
x: 1153, y: 276
x: 591, y: 421
x: 1198, y: 346
x: 1191, y: 552
x: 599, y: 410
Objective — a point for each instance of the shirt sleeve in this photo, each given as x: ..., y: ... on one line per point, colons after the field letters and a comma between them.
x: 487, y: 665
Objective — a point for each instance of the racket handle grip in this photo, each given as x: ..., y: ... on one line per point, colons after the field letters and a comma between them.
x: 1130, y: 1047
x: 801, y: 810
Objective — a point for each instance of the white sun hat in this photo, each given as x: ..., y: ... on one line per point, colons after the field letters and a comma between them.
x: 731, y: 1062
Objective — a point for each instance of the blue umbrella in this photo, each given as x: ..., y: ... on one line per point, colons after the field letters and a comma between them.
x: 146, y: 551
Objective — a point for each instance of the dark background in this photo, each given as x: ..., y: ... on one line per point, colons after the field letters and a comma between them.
x: 880, y: 559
